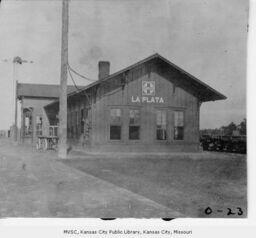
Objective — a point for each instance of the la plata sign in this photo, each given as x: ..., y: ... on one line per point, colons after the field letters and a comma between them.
x: 147, y: 99
x: 148, y: 94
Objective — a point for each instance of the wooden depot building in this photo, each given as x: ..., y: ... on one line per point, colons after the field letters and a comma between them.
x: 152, y: 105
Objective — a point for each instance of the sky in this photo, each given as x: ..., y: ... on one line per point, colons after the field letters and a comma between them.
x: 207, y: 38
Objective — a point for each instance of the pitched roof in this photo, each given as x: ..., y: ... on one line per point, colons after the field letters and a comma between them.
x: 205, y: 92
x: 40, y: 90
x: 210, y: 93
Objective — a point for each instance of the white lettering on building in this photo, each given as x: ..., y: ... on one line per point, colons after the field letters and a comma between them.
x: 136, y: 99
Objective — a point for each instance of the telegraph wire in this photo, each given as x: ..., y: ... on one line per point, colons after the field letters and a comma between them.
x: 82, y: 76
x: 77, y: 88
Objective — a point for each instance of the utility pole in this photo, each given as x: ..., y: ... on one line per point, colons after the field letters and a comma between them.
x: 62, y: 151
x: 16, y: 61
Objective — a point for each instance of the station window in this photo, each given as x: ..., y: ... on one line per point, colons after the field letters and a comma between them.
x: 161, y: 133
x: 178, y: 125
x: 115, y: 124
x: 134, y: 124
x: 39, y: 124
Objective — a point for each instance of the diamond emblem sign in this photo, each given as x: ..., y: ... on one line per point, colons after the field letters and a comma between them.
x: 148, y: 88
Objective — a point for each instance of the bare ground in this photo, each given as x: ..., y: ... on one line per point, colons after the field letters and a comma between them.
x: 37, y: 184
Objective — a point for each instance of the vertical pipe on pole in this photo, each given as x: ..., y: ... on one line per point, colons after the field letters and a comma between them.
x: 62, y: 151
x: 22, y: 122
x: 15, y: 114
x: 14, y: 125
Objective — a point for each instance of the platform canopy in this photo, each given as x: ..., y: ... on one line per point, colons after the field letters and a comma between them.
x: 40, y: 90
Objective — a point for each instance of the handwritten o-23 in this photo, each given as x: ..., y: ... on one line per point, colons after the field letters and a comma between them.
x: 238, y: 211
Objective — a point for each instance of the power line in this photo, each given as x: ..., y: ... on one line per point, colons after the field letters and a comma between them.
x: 77, y: 88
x: 82, y: 76
x: 73, y: 80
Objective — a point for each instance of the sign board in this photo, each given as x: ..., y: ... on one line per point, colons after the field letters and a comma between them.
x: 148, y: 88
x: 148, y: 92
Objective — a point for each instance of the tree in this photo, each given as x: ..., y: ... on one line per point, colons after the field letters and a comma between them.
x: 242, y: 127
x: 228, y: 130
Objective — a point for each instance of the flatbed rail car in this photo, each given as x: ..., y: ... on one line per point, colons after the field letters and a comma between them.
x: 231, y: 144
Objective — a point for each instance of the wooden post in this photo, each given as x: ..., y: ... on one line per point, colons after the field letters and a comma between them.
x: 62, y: 151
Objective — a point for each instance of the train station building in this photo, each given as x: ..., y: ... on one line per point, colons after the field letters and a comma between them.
x: 152, y: 105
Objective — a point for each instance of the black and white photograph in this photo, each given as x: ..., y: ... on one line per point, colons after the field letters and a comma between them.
x: 123, y: 108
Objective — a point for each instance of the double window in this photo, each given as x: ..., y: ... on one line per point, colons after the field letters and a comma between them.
x: 134, y: 124
x: 161, y: 125
x: 178, y: 125
x: 115, y: 124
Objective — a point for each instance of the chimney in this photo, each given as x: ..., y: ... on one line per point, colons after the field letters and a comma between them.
x: 104, y: 69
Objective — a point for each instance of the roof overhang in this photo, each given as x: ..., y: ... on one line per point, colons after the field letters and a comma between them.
x: 204, y: 92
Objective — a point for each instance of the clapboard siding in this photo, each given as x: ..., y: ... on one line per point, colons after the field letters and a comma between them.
x: 118, y: 95
x: 175, y: 90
